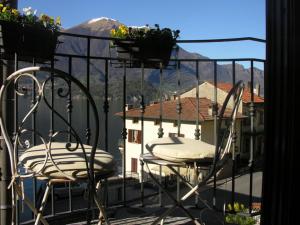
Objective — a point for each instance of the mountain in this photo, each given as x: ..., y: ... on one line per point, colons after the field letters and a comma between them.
x: 101, y: 27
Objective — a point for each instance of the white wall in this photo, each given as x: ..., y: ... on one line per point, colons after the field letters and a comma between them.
x: 133, y: 150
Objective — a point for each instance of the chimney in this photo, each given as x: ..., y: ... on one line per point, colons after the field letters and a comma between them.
x: 249, y: 85
x: 174, y: 95
x: 128, y: 107
x: 257, y: 89
x: 210, y: 110
x: 166, y: 97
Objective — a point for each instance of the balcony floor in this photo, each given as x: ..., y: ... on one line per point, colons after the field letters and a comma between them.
x: 134, y: 214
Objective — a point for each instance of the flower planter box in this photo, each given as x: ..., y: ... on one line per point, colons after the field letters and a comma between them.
x: 27, y: 41
x: 150, y: 52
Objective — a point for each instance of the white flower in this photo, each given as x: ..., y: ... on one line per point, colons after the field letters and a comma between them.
x: 29, y: 11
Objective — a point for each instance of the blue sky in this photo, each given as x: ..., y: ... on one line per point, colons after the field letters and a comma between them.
x: 196, y: 19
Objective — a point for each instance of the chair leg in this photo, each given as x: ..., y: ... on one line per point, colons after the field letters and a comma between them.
x: 13, y: 211
x: 43, y: 204
x: 194, y: 189
x: 163, y: 216
x: 162, y: 222
x: 28, y: 203
x: 176, y: 203
x: 102, y: 213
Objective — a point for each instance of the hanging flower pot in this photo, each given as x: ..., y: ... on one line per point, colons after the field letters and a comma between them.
x: 11, y: 36
x: 149, y: 52
x: 127, y: 49
x: 27, y: 35
x: 27, y: 41
x: 150, y: 46
x: 41, y: 45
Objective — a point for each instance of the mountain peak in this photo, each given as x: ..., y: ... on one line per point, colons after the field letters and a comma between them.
x: 99, y: 19
x: 95, y: 27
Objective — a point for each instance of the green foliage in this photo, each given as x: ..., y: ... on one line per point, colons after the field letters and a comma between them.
x: 29, y: 17
x: 8, y: 14
x: 145, y: 33
x: 238, y: 218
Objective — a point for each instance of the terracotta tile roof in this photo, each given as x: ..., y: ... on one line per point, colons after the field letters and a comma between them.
x: 246, y: 98
x: 188, y: 112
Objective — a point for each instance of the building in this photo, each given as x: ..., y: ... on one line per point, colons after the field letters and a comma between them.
x: 206, y: 89
x: 188, y: 118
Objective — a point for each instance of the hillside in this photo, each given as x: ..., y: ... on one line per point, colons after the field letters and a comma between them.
x: 102, y: 27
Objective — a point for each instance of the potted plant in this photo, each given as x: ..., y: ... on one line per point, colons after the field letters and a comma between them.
x: 237, y: 215
x: 27, y: 34
x: 143, y: 44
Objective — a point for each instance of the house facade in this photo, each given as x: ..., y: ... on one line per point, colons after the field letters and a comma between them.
x: 206, y: 89
x: 188, y: 117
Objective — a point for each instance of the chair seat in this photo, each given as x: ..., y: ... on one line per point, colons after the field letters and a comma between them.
x: 71, y: 163
x: 178, y: 149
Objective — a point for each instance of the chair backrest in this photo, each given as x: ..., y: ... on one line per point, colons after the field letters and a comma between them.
x: 58, y: 83
x: 226, y: 126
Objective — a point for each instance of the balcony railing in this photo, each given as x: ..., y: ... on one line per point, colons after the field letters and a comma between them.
x: 134, y: 187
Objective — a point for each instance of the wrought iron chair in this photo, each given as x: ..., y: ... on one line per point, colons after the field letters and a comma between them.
x: 174, y: 152
x: 53, y: 160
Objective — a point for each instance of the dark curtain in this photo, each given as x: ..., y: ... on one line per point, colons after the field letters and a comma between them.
x: 280, y: 170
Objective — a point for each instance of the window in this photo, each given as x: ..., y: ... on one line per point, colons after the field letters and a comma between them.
x: 119, y: 194
x: 134, y: 136
x: 247, y: 121
x: 134, y: 165
x: 247, y: 145
x: 260, y: 145
x: 135, y: 120
x: 175, y: 124
x: 175, y: 135
x: 261, y: 117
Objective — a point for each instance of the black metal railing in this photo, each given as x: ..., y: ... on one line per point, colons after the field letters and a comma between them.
x: 107, y: 114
